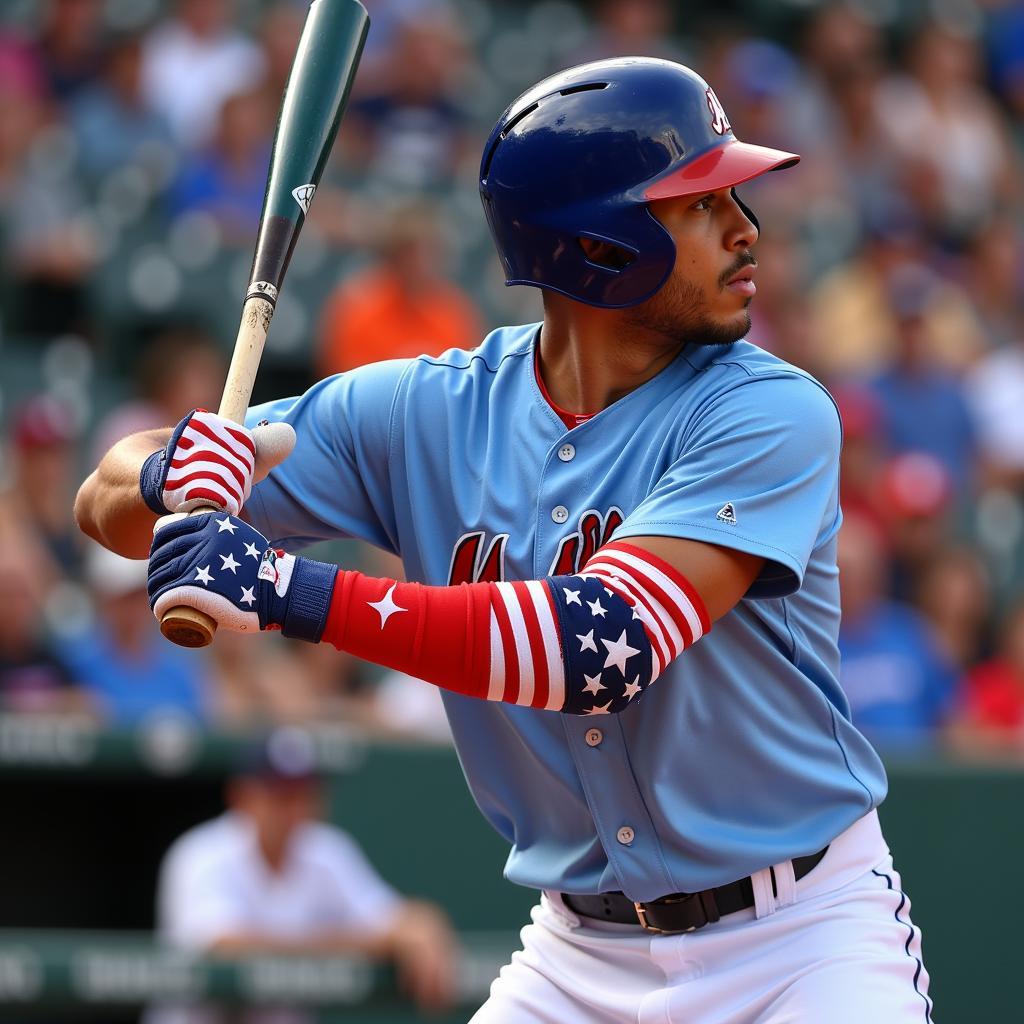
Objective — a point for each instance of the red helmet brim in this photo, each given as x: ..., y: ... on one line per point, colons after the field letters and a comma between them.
x: 722, y: 167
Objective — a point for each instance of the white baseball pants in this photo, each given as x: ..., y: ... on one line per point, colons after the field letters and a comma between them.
x: 838, y: 947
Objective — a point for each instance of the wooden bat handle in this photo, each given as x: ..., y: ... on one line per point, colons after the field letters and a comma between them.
x: 182, y: 625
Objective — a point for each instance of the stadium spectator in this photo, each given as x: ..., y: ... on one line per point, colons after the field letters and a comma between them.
x: 898, y: 681
x: 112, y: 124
x: 841, y: 61
x: 49, y: 237
x: 35, y: 506
x: 955, y: 595
x: 411, y: 131
x: 995, y: 391
x: 69, y: 46
x: 782, y: 278
x: 994, y: 279
x: 863, y: 455
x: 851, y: 315
x: 1004, y: 37
x: 849, y: 164
x: 180, y: 368
x: 915, y: 496
x: 32, y: 678
x: 400, y: 306
x: 227, y: 178
x: 22, y: 99
x: 993, y: 711
x: 192, y: 62
x: 963, y: 181
x: 268, y: 878
x: 627, y: 26
x: 279, y: 32
x: 121, y: 659
x: 922, y: 405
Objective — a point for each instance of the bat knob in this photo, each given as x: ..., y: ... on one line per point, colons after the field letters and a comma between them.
x: 187, y: 627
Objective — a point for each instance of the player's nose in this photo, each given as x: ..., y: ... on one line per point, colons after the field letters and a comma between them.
x: 743, y: 230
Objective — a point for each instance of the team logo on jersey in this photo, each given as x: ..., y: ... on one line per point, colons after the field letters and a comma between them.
x: 719, y: 121
x: 595, y: 528
x: 476, y: 561
x: 727, y: 514
x: 471, y: 564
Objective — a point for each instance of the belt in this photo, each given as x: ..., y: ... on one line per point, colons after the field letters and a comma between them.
x: 682, y: 911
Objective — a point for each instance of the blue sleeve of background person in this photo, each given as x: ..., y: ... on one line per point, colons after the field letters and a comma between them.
x: 337, y: 481
x: 769, y: 448
x: 943, y: 680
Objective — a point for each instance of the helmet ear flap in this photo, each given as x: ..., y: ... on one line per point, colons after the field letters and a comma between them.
x: 747, y: 211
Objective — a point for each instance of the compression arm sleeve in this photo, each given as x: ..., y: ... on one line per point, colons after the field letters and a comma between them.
x: 584, y: 644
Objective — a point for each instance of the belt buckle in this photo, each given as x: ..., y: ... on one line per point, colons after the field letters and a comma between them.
x: 705, y: 900
x: 641, y: 913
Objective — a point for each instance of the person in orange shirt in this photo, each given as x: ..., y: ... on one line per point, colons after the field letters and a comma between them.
x: 400, y: 306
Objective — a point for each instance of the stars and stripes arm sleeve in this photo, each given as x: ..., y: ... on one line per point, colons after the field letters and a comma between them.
x: 584, y: 644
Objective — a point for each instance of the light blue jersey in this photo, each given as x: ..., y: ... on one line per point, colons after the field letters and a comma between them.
x: 742, y: 755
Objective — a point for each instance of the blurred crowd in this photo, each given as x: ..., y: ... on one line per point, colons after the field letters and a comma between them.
x: 134, y: 141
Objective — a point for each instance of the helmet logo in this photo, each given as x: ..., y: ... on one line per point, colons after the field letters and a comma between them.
x: 719, y: 121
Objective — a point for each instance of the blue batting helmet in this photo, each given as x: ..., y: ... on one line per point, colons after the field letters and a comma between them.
x: 582, y: 153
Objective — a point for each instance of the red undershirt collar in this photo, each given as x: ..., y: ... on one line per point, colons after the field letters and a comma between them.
x: 570, y: 419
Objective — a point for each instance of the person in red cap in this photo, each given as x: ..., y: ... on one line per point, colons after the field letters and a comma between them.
x: 35, y: 507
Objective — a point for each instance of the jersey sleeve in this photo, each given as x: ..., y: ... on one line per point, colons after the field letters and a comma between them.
x: 337, y: 481
x: 758, y: 472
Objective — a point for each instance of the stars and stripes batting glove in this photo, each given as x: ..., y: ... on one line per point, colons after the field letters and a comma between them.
x: 224, y: 567
x: 208, y: 461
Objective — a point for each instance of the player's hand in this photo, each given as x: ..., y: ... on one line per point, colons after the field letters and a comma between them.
x: 220, y: 565
x: 210, y: 460
x: 424, y: 949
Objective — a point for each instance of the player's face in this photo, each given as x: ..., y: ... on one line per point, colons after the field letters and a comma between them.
x: 705, y: 299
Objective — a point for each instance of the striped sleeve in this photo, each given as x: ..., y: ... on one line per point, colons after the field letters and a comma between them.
x: 589, y: 644
x: 671, y: 610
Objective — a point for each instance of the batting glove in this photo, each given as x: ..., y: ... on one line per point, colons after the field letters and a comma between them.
x: 222, y: 566
x: 211, y: 461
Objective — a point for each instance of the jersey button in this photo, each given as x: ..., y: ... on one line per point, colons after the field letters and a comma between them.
x: 567, y: 452
x: 560, y: 513
x: 625, y: 835
x: 594, y: 737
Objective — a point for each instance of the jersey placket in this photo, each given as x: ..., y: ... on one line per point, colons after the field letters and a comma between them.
x: 598, y: 745
x: 621, y: 818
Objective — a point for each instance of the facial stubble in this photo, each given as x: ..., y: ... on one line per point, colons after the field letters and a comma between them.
x: 679, y: 313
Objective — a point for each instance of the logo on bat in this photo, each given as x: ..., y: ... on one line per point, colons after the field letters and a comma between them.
x: 304, y: 196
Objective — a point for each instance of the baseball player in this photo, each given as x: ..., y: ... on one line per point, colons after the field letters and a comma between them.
x: 621, y: 527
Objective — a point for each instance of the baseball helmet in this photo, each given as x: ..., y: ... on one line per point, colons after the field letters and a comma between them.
x: 582, y: 153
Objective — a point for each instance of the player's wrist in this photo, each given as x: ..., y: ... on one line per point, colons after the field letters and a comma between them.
x: 295, y: 594
x: 150, y: 486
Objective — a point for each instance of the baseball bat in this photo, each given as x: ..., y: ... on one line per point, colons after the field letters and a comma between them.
x: 314, y: 100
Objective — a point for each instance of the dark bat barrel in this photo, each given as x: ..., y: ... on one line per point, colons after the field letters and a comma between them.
x: 314, y: 101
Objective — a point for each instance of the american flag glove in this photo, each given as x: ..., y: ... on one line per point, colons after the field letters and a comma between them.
x: 208, y: 461
x: 224, y: 567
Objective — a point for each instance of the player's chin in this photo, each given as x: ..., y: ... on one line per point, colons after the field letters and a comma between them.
x: 736, y: 323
